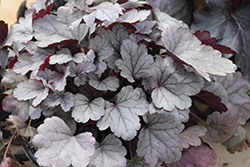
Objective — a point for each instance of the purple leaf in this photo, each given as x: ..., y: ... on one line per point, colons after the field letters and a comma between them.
x: 191, y: 136
x: 64, y: 56
x: 66, y: 100
x: 20, y: 33
x: 39, y: 5
x: 109, y: 152
x: 58, y: 147
x: 134, y: 16
x: 204, y: 59
x: 164, y: 21
x: 21, y: 126
x: 59, y: 78
x: 145, y: 27
x: 115, y: 38
x: 202, y: 156
x: 172, y: 85
x: 105, y: 11
x: 180, y: 115
x: 122, y: 117
x: 109, y: 83
x: 221, y: 126
x: 31, y: 89
x: 212, y: 100
x: 135, y: 61
x: 159, y: 139
x: 31, y: 60
x: 84, y: 109
x: 54, y: 29
x: 103, y: 50
x: 3, y: 31
x: 229, y: 23
x: 236, y: 88
x: 43, y: 12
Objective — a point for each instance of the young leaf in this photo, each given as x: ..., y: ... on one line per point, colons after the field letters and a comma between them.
x: 84, y: 109
x: 202, y: 156
x: 31, y: 60
x: 21, y: 126
x: 236, y: 88
x: 54, y: 133
x: 229, y: 24
x: 122, y: 117
x: 20, y: 33
x: 53, y: 29
x: 103, y: 50
x: 135, y: 61
x: 59, y: 78
x: 109, y: 83
x: 31, y: 89
x: 204, y: 59
x: 172, y: 85
x: 115, y: 39
x: 109, y: 152
x: 106, y: 11
x: 64, y: 56
x: 191, y: 136
x: 134, y: 16
x: 66, y: 100
x: 221, y: 126
x: 159, y: 140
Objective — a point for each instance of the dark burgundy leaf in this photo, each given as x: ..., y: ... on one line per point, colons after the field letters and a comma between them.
x: 43, y: 12
x: 201, y: 156
x: 12, y: 62
x: 205, y: 38
x: 3, y: 31
x: 212, y: 100
x: 46, y: 61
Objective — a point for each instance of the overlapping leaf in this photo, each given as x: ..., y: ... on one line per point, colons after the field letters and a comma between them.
x: 201, y: 156
x: 84, y: 109
x: 109, y: 83
x: 204, y: 59
x: 228, y: 21
x: 134, y: 16
x: 66, y: 117
x: 145, y: 27
x: 11, y: 79
x: 236, y: 88
x: 4, y: 55
x: 159, y: 140
x: 135, y: 62
x: 58, y: 78
x: 53, y: 29
x: 64, y: 99
x: 58, y: 147
x: 109, y: 152
x: 64, y: 56
x: 221, y: 126
x: 191, y: 136
x: 122, y: 117
x: 172, y: 85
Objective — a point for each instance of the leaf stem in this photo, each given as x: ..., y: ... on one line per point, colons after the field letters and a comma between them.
x: 198, y: 118
x: 5, y: 153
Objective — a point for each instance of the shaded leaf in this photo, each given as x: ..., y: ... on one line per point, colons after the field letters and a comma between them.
x: 3, y: 31
x: 4, y: 55
x: 204, y: 59
x: 229, y: 23
x: 24, y: 129
x: 58, y: 79
x: 221, y: 126
x: 135, y: 61
x: 11, y: 79
x: 238, y: 142
x: 159, y: 139
x: 162, y: 5
x: 145, y: 27
x: 137, y: 162
x: 64, y: 99
x: 169, y: 80
x: 109, y: 152
x: 236, y: 88
x: 191, y: 136
x: 134, y: 16
x: 109, y: 83
x: 122, y: 116
x: 66, y: 117
x: 84, y: 109
x: 202, y: 156
x: 54, y: 133
x: 54, y: 29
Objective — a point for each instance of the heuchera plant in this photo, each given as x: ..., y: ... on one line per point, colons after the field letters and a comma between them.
x: 113, y: 85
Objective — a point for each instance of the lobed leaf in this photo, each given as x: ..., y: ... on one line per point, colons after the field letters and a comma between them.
x: 58, y: 78
x: 58, y: 147
x: 109, y: 83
